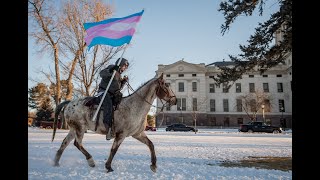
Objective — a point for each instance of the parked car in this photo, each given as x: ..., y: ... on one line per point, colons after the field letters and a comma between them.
x: 49, y: 124
x: 180, y: 127
x: 150, y: 128
x: 259, y: 127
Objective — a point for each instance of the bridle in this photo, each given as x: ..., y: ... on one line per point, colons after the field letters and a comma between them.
x: 161, y: 92
x: 161, y: 89
x: 165, y: 89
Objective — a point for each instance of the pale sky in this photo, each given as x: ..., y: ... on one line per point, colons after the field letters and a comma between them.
x: 169, y: 31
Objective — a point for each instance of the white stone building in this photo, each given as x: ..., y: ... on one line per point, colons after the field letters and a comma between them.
x: 213, y: 106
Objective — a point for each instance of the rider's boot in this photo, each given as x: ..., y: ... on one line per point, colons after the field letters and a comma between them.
x: 108, y: 136
x: 108, y: 131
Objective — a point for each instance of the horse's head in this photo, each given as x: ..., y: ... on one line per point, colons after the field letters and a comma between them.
x: 164, y: 92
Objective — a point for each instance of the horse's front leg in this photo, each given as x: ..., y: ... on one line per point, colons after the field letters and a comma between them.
x: 116, y: 143
x: 142, y: 137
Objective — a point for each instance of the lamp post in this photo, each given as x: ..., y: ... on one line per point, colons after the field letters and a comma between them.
x: 262, y: 106
x: 282, y: 120
x: 181, y: 114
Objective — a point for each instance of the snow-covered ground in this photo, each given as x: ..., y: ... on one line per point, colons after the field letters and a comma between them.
x: 180, y: 155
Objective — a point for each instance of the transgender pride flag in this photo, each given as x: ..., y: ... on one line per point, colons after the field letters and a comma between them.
x: 114, y: 32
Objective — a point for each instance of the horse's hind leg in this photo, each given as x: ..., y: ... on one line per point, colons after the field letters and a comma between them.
x: 63, y: 146
x: 78, y: 144
x: 116, y: 143
x: 142, y: 137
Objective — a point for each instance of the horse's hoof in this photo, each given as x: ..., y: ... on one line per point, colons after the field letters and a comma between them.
x: 56, y: 164
x: 109, y: 170
x: 153, y: 168
x: 91, y: 162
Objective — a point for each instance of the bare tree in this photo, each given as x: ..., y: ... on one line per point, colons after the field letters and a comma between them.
x: 46, y: 31
x: 84, y: 65
x: 252, y: 102
x: 196, y: 105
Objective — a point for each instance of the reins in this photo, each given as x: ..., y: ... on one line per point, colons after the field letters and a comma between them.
x: 163, y: 104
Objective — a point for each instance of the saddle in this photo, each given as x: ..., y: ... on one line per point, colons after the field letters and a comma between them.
x: 93, y: 102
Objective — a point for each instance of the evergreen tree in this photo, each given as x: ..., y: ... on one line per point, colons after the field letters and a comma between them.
x: 260, y: 52
x: 39, y: 99
x: 37, y: 96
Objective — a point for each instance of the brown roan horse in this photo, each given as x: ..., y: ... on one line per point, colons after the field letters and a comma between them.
x: 129, y: 120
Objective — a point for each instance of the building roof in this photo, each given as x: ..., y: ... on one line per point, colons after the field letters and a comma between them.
x: 222, y: 63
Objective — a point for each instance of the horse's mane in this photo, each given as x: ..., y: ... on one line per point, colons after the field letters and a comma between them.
x: 140, y: 87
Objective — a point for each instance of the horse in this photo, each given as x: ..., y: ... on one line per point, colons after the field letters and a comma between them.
x: 129, y: 120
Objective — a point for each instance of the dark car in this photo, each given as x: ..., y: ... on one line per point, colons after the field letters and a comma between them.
x: 259, y: 127
x: 150, y: 128
x: 180, y: 127
x: 48, y: 124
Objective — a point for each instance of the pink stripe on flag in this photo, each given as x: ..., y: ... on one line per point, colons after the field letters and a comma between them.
x: 110, y: 34
x: 102, y: 26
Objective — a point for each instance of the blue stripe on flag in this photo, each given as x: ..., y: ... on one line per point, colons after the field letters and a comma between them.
x: 111, y: 42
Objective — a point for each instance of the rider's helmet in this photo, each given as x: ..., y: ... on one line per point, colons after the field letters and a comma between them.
x: 123, y: 62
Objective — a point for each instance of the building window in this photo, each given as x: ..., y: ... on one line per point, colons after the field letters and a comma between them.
x: 251, y: 87
x: 281, y: 106
x: 194, y: 75
x: 265, y: 87
x: 168, y: 108
x: 251, y: 76
x: 211, y: 77
x: 181, y: 87
x: 181, y: 75
x: 225, y: 105
x: 225, y: 88
x: 253, y: 105
x: 212, y: 105
x: 265, y: 75
x: 213, y: 121
x: 167, y: 75
x: 240, y: 121
x: 226, y: 121
x: 267, y: 105
x: 239, y: 105
x: 195, y: 104
x: 211, y: 88
x: 279, y: 75
x: 238, y: 87
x: 181, y: 102
x: 280, y: 87
x: 168, y: 121
x: 194, y: 86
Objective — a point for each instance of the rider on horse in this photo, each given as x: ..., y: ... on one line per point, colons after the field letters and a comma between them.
x: 113, y: 97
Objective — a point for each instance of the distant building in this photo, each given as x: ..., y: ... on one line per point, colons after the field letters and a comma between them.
x: 214, y: 105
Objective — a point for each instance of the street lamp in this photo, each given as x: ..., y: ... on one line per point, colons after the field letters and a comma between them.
x: 262, y: 106
x: 282, y: 120
x: 181, y: 114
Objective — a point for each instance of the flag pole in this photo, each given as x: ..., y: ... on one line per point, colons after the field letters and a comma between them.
x: 105, y: 92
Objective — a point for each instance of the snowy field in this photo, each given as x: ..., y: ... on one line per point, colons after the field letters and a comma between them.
x: 180, y: 155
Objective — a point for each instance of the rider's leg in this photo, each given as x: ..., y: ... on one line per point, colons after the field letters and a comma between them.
x: 107, y: 115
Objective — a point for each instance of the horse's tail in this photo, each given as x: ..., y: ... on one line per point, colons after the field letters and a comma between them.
x: 56, y: 114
